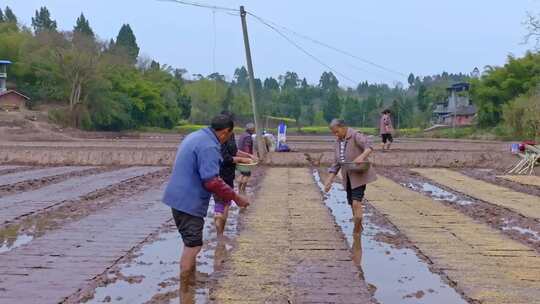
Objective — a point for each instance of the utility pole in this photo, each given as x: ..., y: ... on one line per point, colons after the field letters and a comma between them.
x: 261, y: 147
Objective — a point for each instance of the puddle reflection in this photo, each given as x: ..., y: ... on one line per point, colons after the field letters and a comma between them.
x: 437, y: 193
x: 398, y: 274
x: 158, y: 269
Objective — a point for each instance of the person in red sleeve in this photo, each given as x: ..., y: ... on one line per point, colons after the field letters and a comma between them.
x: 195, y: 177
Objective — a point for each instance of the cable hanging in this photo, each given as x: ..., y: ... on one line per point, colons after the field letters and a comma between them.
x: 330, y: 46
x: 276, y: 28
x: 302, y: 49
x: 202, y: 5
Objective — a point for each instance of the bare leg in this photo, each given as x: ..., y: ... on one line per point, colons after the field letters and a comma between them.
x: 188, y: 267
x: 357, y: 218
x: 357, y: 254
x: 242, y: 184
x: 220, y: 220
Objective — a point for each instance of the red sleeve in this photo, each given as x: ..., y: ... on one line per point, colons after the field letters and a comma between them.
x: 217, y: 186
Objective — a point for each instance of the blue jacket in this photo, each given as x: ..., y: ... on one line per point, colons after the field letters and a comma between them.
x: 198, y: 160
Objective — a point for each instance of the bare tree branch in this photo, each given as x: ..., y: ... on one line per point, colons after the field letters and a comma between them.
x: 532, y: 24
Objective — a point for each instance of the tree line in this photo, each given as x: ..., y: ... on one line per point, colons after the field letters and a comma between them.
x: 99, y: 84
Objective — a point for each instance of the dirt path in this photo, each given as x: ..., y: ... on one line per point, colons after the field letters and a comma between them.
x: 16, y: 206
x: 486, y: 265
x: 525, y: 204
x: 37, y: 174
x: 61, y: 262
x: 290, y: 249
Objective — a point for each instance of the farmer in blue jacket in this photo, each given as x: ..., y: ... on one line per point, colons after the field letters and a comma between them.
x: 195, y: 177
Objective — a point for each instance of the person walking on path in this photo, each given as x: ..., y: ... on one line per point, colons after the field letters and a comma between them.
x: 351, y: 147
x: 245, y: 144
x: 231, y: 156
x: 386, y: 129
x: 194, y: 178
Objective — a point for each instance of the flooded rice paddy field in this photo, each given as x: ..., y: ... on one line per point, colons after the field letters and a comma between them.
x: 99, y: 234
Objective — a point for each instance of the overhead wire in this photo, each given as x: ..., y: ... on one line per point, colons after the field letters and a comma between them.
x: 326, y: 45
x: 279, y: 29
x: 303, y: 50
x: 202, y: 5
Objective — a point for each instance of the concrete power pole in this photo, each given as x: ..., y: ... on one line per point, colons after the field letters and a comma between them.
x: 261, y: 147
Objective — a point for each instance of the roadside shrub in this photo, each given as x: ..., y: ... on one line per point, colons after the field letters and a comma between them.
x: 522, y: 116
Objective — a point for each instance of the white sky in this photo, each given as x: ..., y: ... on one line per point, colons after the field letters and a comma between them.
x: 420, y: 36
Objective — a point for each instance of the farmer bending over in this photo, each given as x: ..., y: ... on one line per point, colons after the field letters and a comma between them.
x: 194, y: 178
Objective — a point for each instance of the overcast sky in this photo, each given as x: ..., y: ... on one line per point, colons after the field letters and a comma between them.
x: 419, y: 36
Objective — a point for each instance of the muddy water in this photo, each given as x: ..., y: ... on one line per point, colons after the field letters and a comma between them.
x: 37, y: 174
x: 18, y: 205
x: 534, y: 235
x: 152, y: 276
x: 398, y: 274
x: 513, y: 225
x: 12, y: 243
x: 9, y: 167
x: 438, y: 194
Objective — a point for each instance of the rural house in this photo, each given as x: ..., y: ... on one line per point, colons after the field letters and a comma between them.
x: 457, y: 110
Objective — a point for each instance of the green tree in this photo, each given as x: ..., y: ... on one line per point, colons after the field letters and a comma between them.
x: 332, y: 107
x: 522, y: 116
x: 289, y: 81
x: 328, y: 82
x: 10, y: 16
x: 2, y: 18
x: 422, y: 100
x: 241, y: 78
x: 42, y: 21
x: 499, y: 85
x: 83, y: 27
x: 411, y: 79
x: 155, y: 66
x: 216, y: 77
x: 271, y: 84
x: 352, y: 113
x: 127, y: 42
x: 228, y: 100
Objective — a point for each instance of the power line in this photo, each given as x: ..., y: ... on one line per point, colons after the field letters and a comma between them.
x: 313, y: 40
x: 202, y: 5
x: 302, y: 49
x: 274, y: 26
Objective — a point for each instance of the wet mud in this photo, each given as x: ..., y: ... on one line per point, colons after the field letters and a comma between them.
x: 8, y: 169
x: 150, y: 272
x: 33, y: 183
x: 27, y: 229
x: 396, y: 271
x: 491, y: 176
x: 516, y: 226
x: 36, y: 174
x: 15, y: 207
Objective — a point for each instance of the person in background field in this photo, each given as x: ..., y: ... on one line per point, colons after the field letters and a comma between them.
x: 194, y: 178
x: 351, y: 146
x: 231, y: 156
x: 386, y: 130
x: 245, y: 144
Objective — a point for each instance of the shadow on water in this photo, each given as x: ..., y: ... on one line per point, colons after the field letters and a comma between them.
x: 153, y: 276
x: 398, y: 274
